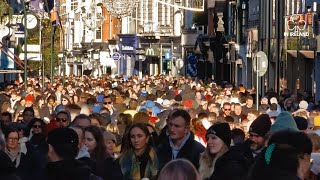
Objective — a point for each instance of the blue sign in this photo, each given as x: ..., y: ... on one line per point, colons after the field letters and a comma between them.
x: 167, y: 56
x: 116, y: 56
x: 128, y: 43
x: 192, y: 59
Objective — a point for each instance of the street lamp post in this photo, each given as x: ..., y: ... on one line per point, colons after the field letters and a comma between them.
x: 25, y: 44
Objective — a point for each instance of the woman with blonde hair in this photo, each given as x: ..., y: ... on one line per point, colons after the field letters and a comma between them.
x: 112, y: 127
x: 218, y: 161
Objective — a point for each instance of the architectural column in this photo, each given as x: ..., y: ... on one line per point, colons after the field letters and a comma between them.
x: 317, y: 65
x: 168, y: 13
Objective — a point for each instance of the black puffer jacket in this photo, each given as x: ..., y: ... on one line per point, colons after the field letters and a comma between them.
x: 191, y: 151
x: 230, y: 166
x: 68, y: 169
x: 7, y: 169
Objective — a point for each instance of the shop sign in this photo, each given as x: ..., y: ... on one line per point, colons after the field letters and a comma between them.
x: 128, y: 43
x: 296, y: 26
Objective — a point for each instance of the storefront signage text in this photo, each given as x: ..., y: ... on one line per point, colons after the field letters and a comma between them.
x: 296, y: 26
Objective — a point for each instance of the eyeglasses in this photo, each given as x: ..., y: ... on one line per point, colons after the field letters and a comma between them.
x: 107, y: 102
x: 227, y: 109
x: 13, y: 139
x: 36, y: 126
x: 61, y: 119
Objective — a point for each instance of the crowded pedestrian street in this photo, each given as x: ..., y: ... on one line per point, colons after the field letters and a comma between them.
x: 159, y: 89
x: 157, y: 127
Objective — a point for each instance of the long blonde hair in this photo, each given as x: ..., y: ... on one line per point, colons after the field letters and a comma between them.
x: 112, y: 127
x: 208, y: 161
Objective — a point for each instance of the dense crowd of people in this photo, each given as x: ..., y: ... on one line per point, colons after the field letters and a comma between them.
x: 157, y: 127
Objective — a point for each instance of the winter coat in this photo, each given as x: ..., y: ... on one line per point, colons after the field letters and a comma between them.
x: 191, y: 151
x: 7, y: 169
x: 274, y: 174
x: 230, y: 166
x: 245, y: 151
x: 109, y: 169
x: 68, y: 169
x: 31, y: 164
x: 134, y: 167
x: 39, y: 141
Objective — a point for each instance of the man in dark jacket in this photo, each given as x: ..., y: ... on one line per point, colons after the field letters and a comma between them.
x: 181, y: 143
x: 256, y: 142
x: 63, y: 149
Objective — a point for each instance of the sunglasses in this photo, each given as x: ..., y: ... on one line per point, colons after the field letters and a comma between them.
x: 37, y: 126
x: 107, y: 102
x: 61, y: 119
x: 227, y: 109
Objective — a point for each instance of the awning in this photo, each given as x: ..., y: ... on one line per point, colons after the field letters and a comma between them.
x: 304, y: 53
x: 308, y: 54
x: 292, y: 53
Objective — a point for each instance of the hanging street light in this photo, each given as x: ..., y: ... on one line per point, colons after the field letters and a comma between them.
x: 121, y: 8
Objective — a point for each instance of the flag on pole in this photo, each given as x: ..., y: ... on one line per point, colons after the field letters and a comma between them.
x: 54, y: 14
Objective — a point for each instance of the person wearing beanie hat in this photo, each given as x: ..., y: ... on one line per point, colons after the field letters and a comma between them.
x: 284, y: 121
x: 110, y: 141
x: 63, y: 146
x: 221, y: 130
x: 258, y: 130
x: 261, y: 125
x: 63, y: 118
x: 303, y: 105
x: 187, y: 104
x: 219, y: 161
x: 287, y: 156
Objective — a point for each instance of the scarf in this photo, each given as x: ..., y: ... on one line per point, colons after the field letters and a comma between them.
x: 175, y: 149
x: 14, y: 155
x: 130, y: 165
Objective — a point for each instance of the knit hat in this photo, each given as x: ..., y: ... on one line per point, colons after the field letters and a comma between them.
x: 59, y: 108
x: 29, y: 97
x: 187, y: 103
x: 303, y: 105
x: 284, y: 121
x: 166, y: 103
x: 65, y: 112
x: 149, y: 104
x: 159, y: 100
x: 109, y: 136
x: 221, y: 130
x: 301, y: 122
x: 261, y: 125
x: 273, y: 100
x: 63, y: 136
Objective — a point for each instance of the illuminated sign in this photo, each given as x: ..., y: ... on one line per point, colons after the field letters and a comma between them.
x: 296, y: 25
